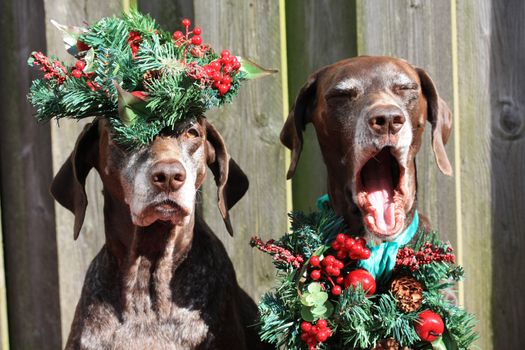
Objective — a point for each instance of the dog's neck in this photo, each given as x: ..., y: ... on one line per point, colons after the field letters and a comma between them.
x: 146, y: 257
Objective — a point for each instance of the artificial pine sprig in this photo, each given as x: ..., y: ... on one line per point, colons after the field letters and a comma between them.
x: 362, y: 315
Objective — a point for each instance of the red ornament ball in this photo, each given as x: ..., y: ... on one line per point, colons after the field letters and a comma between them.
x: 362, y: 277
x: 429, y: 326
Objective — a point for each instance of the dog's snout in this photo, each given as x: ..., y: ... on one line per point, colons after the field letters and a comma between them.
x: 168, y: 176
x: 386, y: 120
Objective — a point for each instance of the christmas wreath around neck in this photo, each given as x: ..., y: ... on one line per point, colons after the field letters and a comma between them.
x: 140, y: 77
x: 336, y: 292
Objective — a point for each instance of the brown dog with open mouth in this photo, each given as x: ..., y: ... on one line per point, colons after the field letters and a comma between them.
x: 369, y: 115
x: 163, y: 280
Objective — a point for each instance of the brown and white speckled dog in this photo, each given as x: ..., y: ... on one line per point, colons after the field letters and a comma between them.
x: 162, y: 280
x: 369, y: 115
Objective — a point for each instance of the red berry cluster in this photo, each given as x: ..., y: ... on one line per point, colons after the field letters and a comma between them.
x: 134, y: 40
x: 354, y: 248
x: 315, y: 334
x: 280, y: 254
x: 78, y: 72
x: 406, y: 257
x: 219, y: 73
x: 347, y: 250
x: 52, y: 70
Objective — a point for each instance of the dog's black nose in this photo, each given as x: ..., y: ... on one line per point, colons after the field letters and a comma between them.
x: 385, y: 120
x: 168, y: 176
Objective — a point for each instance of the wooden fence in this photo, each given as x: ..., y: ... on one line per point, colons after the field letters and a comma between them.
x: 474, y: 50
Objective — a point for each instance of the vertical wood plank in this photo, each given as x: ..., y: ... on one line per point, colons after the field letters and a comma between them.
x: 420, y: 32
x: 473, y: 43
x: 167, y: 13
x: 74, y: 256
x: 4, y: 327
x: 250, y: 127
x: 507, y: 107
x: 27, y: 211
x: 318, y: 33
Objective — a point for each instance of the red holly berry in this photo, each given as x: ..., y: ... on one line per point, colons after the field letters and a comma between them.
x: 76, y: 73
x: 196, y: 40
x: 336, y: 290
x: 227, y: 68
x: 177, y: 35
x: 340, y: 238
x: 429, y: 326
x: 186, y: 22
x: 80, y: 65
x: 314, y: 260
x: 362, y: 277
x: 215, y: 65
x: 226, y: 79
x: 322, y: 336
x: 197, y: 30
x: 315, y: 274
x: 216, y: 76
x: 306, y: 326
x: 225, y: 53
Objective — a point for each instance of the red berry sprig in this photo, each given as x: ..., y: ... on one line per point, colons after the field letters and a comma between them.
x: 219, y: 73
x: 314, y: 334
x: 354, y: 248
x: 280, y: 254
x: 190, y: 36
x: 407, y: 257
x: 52, y: 69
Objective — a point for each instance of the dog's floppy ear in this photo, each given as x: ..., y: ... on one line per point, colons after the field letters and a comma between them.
x: 292, y: 132
x: 68, y: 186
x: 440, y: 118
x: 231, y: 181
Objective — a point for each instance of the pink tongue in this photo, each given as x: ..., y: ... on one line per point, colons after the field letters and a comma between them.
x: 377, y: 180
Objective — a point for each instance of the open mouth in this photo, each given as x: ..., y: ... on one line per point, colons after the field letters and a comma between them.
x: 379, y: 193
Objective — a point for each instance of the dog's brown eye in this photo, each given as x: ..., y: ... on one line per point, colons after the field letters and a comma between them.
x: 192, y: 133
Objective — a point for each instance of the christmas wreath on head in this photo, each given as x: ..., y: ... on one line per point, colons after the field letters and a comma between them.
x: 336, y: 292
x: 143, y: 79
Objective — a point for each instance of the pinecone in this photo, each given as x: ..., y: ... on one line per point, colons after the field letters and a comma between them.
x: 386, y: 344
x: 389, y: 344
x: 408, y: 292
x: 151, y: 74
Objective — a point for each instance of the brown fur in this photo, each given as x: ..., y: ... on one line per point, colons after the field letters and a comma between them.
x: 163, y: 280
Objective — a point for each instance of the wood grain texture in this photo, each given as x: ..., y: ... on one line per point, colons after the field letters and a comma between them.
x: 27, y: 209
x: 4, y: 323
x: 74, y: 256
x: 250, y: 127
x: 507, y: 168
x: 168, y: 13
x: 418, y: 31
x: 473, y: 35
x: 318, y: 33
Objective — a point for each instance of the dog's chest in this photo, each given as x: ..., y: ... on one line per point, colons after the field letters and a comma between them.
x: 185, y: 329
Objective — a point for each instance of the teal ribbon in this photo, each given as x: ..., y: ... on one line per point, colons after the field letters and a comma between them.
x: 383, y: 256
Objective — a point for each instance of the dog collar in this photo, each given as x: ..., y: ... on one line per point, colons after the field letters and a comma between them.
x: 383, y: 256
x: 140, y: 77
